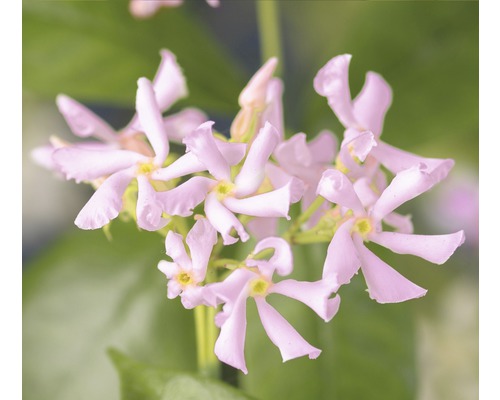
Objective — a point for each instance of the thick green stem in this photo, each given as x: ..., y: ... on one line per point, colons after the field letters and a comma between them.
x: 200, y: 329
x: 269, y: 32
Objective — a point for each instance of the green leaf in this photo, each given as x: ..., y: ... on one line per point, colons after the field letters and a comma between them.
x: 87, y: 294
x: 140, y: 381
x: 96, y: 51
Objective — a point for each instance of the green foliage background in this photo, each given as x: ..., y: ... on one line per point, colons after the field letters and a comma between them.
x: 85, y: 295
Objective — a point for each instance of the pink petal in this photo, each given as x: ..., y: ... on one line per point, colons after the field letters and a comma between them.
x: 193, y: 296
x: 184, y: 198
x: 273, y: 113
x: 323, y: 147
x: 281, y: 261
x: 213, y: 3
x: 224, y: 220
x: 87, y: 165
x: 230, y: 345
x: 43, y: 157
x: 261, y: 227
x: 151, y: 120
x: 364, y: 189
x: 280, y: 178
x: 360, y: 143
x: 282, y: 334
x: 255, y: 92
x: 201, y: 143
x: 149, y: 210
x: 252, y: 173
x: 315, y: 295
x: 201, y: 239
x: 232, y: 152
x: 271, y: 204
x: 181, y: 124
x: 434, y: 248
x: 402, y: 223
x: 170, y: 269
x: 405, y: 186
x: 396, y: 160
x: 230, y: 289
x: 82, y: 121
x: 174, y: 248
x: 372, y: 103
x: 169, y: 82
x: 185, y: 165
x: 106, y: 203
x: 295, y: 157
x: 342, y: 260
x: 385, y: 285
x: 174, y: 289
x: 332, y: 81
x: 338, y: 189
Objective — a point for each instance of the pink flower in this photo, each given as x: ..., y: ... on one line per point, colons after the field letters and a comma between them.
x: 147, y: 8
x: 347, y: 253
x: 116, y: 168
x: 169, y: 86
x: 255, y: 281
x: 365, y: 114
x: 186, y: 273
x: 228, y: 195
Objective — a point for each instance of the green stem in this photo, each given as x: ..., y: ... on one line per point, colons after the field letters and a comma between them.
x: 269, y: 31
x: 303, y: 218
x: 200, y: 329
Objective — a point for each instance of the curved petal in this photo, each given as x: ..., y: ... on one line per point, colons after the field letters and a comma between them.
x: 434, y: 248
x: 170, y: 269
x: 360, y: 144
x: 282, y: 334
x: 174, y: 248
x: 230, y: 289
x: 273, y: 113
x: 42, y: 156
x: 271, y: 204
x: 262, y: 227
x: 364, y: 189
x: 213, y: 3
x: 323, y: 147
x: 280, y: 178
x: 201, y: 239
x: 181, y: 124
x: 86, y: 165
x: 201, y: 143
x: 149, y: 210
x: 281, y: 261
x: 405, y: 186
x: 338, y: 189
x: 253, y: 171
x: 372, y: 103
x: 402, y: 223
x: 174, y: 289
x: 230, y: 345
x: 224, y: 220
x: 151, y: 120
x: 232, y: 152
x: 185, y: 165
x: 294, y: 156
x: 106, y: 203
x: 169, y: 82
x: 255, y: 92
x: 332, y: 81
x: 185, y: 197
x: 82, y: 121
x: 315, y: 295
x: 342, y: 261
x: 396, y: 160
x: 385, y: 284
x: 193, y: 296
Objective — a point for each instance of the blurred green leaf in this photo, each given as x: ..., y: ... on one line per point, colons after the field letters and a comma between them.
x: 85, y: 295
x: 145, y: 382
x: 95, y: 51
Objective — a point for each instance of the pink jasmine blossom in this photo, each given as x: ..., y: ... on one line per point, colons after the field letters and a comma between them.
x: 255, y: 281
x: 147, y: 8
x: 240, y: 194
x: 186, y: 273
x: 365, y: 115
x: 260, y: 100
x: 116, y: 168
x: 347, y: 253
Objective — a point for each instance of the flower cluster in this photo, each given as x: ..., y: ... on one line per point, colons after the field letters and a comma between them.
x: 224, y: 190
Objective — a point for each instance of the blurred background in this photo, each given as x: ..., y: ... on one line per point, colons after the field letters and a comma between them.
x: 83, y: 294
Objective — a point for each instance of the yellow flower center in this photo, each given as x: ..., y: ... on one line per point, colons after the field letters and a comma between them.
x: 184, y: 278
x: 224, y: 189
x: 363, y: 226
x: 259, y: 287
x: 145, y: 168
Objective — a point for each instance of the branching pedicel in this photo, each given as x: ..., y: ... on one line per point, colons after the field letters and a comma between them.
x: 224, y: 190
